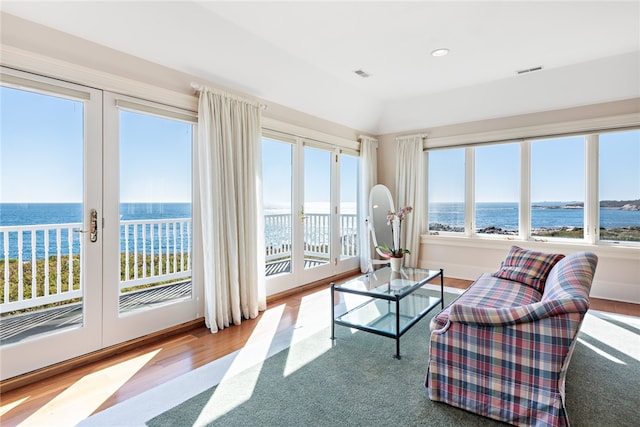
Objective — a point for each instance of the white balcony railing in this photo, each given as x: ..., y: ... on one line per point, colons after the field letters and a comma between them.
x: 316, y: 236
x: 27, y: 284
x: 40, y: 264
x: 154, y: 251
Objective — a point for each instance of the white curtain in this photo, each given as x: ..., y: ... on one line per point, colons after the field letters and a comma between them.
x: 229, y: 171
x: 410, y: 189
x: 368, y: 178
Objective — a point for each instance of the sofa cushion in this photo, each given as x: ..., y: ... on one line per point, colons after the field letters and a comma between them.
x: 528, y: 267
x: 571, y: 278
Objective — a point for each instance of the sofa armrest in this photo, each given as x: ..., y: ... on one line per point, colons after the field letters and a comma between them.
x: 512, y: 315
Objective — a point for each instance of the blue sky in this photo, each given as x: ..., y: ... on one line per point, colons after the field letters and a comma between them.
x: 556, y: 175
x: 277, y: 170
x: 155, y: 159
x: 41, y: 145
x: 41, y: 148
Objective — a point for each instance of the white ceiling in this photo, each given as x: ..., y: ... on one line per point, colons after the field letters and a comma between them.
x: 303, y: 54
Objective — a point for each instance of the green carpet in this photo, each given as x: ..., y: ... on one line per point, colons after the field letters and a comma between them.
x: 356, y: 381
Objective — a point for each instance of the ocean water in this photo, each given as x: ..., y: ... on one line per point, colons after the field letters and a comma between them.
x: 501, y: 215
x: 18, y: 214
x: 543, y: 215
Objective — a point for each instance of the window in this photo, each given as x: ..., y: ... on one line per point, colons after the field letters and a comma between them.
x: 619, y: 186
x: 497, y: 186
x: 310, y: 204
x: 349, y: 172
x: 277, y: 194
x: 317, y: 206
x: 446, y: 195
x: 41, y: 204
x: 558, y: 187
x: 540, y: 189
x: 155, y: 206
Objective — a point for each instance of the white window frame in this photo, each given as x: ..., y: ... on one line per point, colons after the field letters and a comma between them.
x: 589, y: 129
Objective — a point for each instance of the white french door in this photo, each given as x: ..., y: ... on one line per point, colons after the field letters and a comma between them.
x: 310, y: 208
x: 95, y: 220
x: 148, y: 229
x: 50, y: 213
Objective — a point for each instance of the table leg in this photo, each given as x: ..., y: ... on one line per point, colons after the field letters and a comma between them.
x: 332, y: 313
x: 442, y: 288
x: 397, y: 356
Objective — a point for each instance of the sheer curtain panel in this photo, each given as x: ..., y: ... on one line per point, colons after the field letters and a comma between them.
x: 368, y: 178
x: 229, y: 185
x: 410, y: 188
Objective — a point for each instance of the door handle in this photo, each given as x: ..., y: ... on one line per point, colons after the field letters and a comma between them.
x: 93, y: 226
x: 302, y: 215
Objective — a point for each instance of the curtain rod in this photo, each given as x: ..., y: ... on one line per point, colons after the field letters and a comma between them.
x: 421, y: 135
x: 198, y: 88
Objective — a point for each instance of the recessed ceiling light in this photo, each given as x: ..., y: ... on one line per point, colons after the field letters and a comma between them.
x: 440, y: 52
x: 362, y: 73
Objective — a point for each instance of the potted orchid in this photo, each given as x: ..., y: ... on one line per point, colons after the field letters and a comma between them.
x: 394, y: 220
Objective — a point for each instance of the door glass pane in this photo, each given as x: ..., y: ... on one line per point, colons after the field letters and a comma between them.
x: 619, y: 172
x: 497, y: 187
x: 41, y: 195
x: 349, y: 173
x: 155, y: 210
x: 557, y: 187
x: 276, y: 194
x: 317, y: 207
x: 446, y: 190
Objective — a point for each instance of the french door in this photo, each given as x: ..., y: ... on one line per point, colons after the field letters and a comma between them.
x: 95, y: 220
x: 148, y: 234
x: 50, y: 213
x: 310, y: 208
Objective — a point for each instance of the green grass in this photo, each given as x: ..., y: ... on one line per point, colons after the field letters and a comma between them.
x: 625, y: 234
x: 27, y: 276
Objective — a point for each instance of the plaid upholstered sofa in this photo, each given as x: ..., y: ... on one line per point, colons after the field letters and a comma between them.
x: 502, y: 349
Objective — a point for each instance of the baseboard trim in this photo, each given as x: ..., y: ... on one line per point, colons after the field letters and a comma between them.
x: 322, y: 282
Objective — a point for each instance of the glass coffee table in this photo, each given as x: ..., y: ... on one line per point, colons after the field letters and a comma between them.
x: 395, y: 301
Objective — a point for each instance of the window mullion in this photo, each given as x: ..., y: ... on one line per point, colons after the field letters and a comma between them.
x: 469, y: 211
x: 591, y: 198
x: 525, y: 190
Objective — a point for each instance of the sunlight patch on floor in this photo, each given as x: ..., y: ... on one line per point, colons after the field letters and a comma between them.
x: 312, y: 317
x: 600, y: 352
x: 597, y: 327
x: 81, y: 399
x: 229, y: 395
x: 9, y: 406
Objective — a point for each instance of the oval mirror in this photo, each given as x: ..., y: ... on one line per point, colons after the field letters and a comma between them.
x: 380, y: 204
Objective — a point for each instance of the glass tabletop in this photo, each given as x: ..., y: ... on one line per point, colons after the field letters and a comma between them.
x: 385, y: 283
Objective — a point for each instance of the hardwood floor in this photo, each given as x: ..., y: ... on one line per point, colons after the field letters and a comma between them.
x: 71, y: 396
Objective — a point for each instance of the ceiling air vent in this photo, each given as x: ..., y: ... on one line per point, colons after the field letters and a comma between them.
x: 529, y: 70
x: 362, y: 73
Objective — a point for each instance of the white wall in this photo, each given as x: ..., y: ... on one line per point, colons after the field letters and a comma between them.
x: 617, y: 274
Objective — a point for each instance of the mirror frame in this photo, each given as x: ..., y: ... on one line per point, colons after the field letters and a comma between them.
x: 380, y: 194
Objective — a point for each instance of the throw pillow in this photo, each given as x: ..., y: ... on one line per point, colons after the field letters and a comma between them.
x: 528, y: 267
